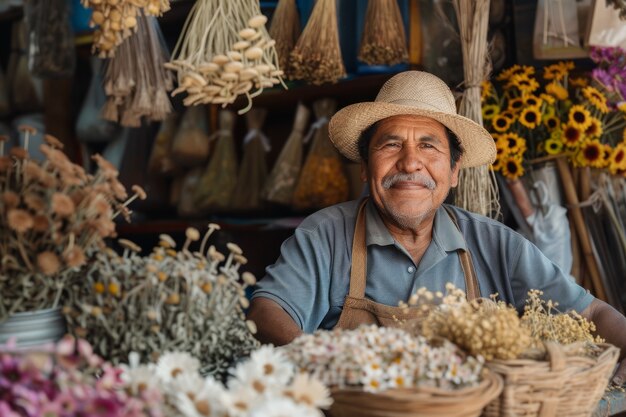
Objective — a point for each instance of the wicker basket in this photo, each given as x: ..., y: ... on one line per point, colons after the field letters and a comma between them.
x: 567, y: 384
x: 419, y: 402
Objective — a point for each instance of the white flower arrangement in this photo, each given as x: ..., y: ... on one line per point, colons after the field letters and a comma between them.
x: 264, y: 385
x: 169, y: 300
x: 380, y: 358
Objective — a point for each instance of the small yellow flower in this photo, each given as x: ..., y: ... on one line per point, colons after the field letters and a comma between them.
x: 161, y: 276
x: 580, y: 82
x: 98, y: 288
x: 516, y: 104
x: 551, y: 123
x: 596, y: 98
x: 532, y: 100
x: 617, y: 160
x: 513, y: 143
x: 501, y: 123
x: 512, y: 167
x: 547, y: 98
x: 579, y: 117
x: 554, y: 72
x: 486, y: 90
x: 571, y: 136
x: 557, y: 90
x: 114, y: 289
x: 490, y: 111
x: 553, y: 146
x: 524, y: 83
x: 591, y: 153
x: 530, y: 117
x: 595, y: 128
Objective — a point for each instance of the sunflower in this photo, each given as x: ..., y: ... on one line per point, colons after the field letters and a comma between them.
x: 551, y: 122
x: 595, y: 128
x: 532, y: 100
x: 509, y: 115
x: 596, y: 98
x: 617, y: 160
x: 524, y: 83
x: 490, y: 111
x: 571, y: 135
x: 512, y: 142
x: 553, y: 147
x: 554, y: 72
x: 530, y: 117
x: 579, y: 117
x: 567, y: 65
x: 556, y: 90
x: 516, y: 104
x: 501, y: 123
x: 608, y: 150
x: 578, y: 82
x: 591, y: 153
x: 486, y: 90
x: 547, y: 98
x: 512, y: 167
x: 515, y: 70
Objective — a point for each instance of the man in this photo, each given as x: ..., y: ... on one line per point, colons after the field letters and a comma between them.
x: 351, y: 263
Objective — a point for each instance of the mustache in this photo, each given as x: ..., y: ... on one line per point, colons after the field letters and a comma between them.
x: 421, y: 179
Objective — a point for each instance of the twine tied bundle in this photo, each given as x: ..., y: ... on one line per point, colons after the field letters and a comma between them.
x: 285, y: 30
x: 135, y: 81
x: 225, y: 51
x: 117, y: 20
x: 384, y: 39
x: 316, y: 57
x: 476, y: 191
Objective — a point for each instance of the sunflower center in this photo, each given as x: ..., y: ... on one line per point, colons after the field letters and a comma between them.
x: 511, y: 167
x: 571, y: 134
x: 579, y: 117
x: 531, y: 117
x: 592, y: 153
x: 501, y: 123
x: 619, y: 156
x: 551, y: 123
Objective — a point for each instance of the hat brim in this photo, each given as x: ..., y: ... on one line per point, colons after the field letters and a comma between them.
x: 347, y: 124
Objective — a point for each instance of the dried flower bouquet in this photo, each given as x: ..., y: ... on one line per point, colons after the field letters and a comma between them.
x: 169, y: 300
x: 53, y: 218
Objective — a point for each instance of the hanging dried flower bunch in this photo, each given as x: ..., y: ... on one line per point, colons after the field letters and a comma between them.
x: 169, y: 300
x: 384, y: 40
x: 316, y: 57
x: 285, y: 30
x: 135, y: 81
x: 53, y: 218
x: 225, y: 51
x: 117, y: 20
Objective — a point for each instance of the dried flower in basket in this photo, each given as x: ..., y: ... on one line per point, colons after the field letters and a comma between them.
x: 67, y: 379
x: 266, y: 384
x: 190, y: 301
x: 380, y: 358
x: 316, y: 58
x: 384, y: 40
x: 116, y: 20
x: 53, y: 218
x: 225, y: 51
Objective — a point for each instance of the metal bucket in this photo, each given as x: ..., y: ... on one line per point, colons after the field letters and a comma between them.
x: 33, y: 328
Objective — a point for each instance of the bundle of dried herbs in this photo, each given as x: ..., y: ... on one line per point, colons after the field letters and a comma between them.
x: 116, y: 20
x: 316, y: 57
x: 215, y: 188
x: 21, y: 86
x: 54, y: 217
x: 281, y: 182
x: 225, y: 51
x: 384, y: 39
x: 253, y: 168
x: 191, y: 145
x: 322, y: 181
x: 161, y: 161
x: 183, y: 191
x: 136, y: 81
x: 184, y: 300
x: 285, y: 30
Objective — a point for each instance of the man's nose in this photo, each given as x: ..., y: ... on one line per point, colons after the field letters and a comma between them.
x: 410, y: 159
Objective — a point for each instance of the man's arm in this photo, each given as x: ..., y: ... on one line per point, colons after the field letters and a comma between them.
x: 611, y: 326
x: 273, y: 323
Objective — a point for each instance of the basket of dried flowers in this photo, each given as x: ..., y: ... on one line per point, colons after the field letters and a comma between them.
x: 169, y: 300
x: 550, y: 362
x: 53, y: 218
x: 378, y: 371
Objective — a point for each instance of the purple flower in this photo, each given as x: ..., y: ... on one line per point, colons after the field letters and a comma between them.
x: 7, y: 411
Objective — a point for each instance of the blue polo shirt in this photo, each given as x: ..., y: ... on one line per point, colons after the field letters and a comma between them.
x: 310, y: 279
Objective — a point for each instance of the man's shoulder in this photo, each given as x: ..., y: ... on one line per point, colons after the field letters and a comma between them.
x: 332, y: 217
x: 469, y: 220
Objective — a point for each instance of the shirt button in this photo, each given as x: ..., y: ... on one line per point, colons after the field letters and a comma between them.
x: 410, y: 269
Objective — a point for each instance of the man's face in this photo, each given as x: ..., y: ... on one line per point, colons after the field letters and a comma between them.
x: 409, y: 169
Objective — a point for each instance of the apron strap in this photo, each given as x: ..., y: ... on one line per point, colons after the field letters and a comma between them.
x: 472, y: 289
x: 358, y: 271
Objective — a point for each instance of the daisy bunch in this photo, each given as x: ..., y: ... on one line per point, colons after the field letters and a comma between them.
x: 54, y: 217
x: 68, y: 379
x: 189, y: 299
x: 376, y: 359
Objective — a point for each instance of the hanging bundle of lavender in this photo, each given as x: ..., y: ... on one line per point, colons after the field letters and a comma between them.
x: 136, y: 82
x: 384, y: 40
x: 225, y: 51
x: 285, y: 30
x: 316, y: 57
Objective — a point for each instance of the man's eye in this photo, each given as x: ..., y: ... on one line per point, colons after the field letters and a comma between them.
x: 392, y: 145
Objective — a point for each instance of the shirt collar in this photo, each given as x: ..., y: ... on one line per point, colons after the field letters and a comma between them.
x: 445, y: 233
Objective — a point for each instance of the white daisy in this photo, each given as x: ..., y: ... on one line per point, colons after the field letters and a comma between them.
x: 266, y: 363
x: 284, y: 407
x: 188, y: 384
x: 139, y: 378
x: 241, y: 400
x: 208, y: 400
x: 373, y: 383
x: 172, y: 364
x: 309, y: 391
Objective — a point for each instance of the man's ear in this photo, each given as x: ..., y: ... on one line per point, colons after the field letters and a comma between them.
x: 454, y: 180
x: 363, y: 171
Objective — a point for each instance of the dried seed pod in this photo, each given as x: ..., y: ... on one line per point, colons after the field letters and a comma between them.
x: 220, y: 59
x: 257, y: 21
x: 253, y: 53
x: 208, y: 68
x: 234, y: 55
x: 229, y: 76
x: 233, y: 67
x: 247, y: 33
x: 238, y: 46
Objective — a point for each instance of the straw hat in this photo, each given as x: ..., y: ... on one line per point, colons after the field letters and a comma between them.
x: 412, y: 92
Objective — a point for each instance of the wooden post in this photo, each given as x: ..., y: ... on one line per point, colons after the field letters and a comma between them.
x: 415, y: 34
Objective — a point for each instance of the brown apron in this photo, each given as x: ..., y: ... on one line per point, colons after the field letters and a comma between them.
x: 358, y: 310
